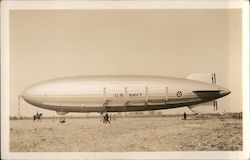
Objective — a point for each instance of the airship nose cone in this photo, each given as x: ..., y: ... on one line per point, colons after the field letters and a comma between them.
x: 27, y: 94
x: 31, y: 94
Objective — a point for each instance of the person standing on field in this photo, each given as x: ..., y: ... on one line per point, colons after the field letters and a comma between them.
x: 185, y: 116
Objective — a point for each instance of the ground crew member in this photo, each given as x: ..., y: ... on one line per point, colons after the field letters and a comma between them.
x: 185, y: 116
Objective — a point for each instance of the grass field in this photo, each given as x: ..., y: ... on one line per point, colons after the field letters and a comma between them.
x: 211, y: 133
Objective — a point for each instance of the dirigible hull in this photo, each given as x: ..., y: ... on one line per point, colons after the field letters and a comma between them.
x: 120, y: 93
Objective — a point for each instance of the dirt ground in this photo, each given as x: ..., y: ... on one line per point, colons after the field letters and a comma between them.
x: 127, y: 134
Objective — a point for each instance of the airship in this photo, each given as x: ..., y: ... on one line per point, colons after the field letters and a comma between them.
x: 123, y: 93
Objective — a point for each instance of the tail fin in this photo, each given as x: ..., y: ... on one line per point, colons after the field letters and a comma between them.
x: 208, y: 78
x: 208, y: 107
x: 203, y: 77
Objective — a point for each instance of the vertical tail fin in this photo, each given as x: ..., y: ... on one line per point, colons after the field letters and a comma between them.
x: 203, y: 77
x: 208, y: 78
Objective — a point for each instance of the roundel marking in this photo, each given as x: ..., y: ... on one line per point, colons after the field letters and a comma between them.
x: 179, y: 93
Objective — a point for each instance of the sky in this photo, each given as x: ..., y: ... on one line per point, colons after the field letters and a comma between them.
x: 47, y: 44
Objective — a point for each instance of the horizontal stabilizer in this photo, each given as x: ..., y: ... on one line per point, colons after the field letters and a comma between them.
x: 208, y: 91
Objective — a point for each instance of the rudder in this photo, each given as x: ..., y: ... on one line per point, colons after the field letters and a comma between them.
x: 203, y: 77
